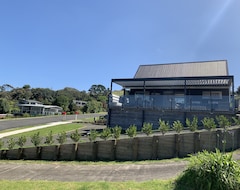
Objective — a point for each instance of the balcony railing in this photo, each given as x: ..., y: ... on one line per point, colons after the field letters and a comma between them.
x: 171, y: 102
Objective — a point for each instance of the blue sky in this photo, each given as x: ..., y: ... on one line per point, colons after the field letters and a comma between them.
x: 78, y: 43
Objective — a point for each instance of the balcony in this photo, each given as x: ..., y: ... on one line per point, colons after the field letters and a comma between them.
x: 173, y: 102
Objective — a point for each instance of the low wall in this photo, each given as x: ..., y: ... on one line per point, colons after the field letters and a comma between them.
x: 153, y: 147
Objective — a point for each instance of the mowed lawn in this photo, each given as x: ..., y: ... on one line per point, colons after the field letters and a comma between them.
x: 68, y: 128
x: 53, y: 185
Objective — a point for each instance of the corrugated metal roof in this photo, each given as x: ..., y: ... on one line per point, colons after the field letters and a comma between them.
x: 188, y: 69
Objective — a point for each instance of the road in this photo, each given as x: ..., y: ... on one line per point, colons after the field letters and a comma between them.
x: 33, y: 121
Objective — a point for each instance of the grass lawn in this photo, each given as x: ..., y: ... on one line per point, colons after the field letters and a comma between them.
x: 43, y: 185
x: 55, y: 130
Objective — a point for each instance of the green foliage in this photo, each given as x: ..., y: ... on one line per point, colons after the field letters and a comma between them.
x: 62, y: 137
x: 132, y: 131
x: 75, y: 136
x: 208, y: 123
x: 36, y: 139
x: 177, y: 126
x: 147, y: 128
x: 116, y: 132
x: 210, y: 170
x: 192, y: 125
x: 49, y: 138
x: 4, y: 106
x: 94, y: 106
x: 21, y: 141
x: 11, y: 143
x: 223, y: 121
x: 1, y: 143
x: 236, y: 121
x: 163, y: 126
x: 92, y: 135
x: 106, y: 133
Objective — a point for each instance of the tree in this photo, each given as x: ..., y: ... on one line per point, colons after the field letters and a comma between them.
x: 62, y: 137
x: 62, y: 101
x: 75, y: 136
x: 36, y: 139
x: 92, y: 135
x: 163, y: 126
x: 193, y: 125
x: 49, y: 138
x: 4, y: 106
x: 132, y: 131
x: 177, y: 126
x: 147, y: 128
x: 96, y: 90
x: 21, y: 141
x: 106, y: 133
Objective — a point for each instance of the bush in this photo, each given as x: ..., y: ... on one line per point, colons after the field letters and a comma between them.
x: 147, y: 128
x: 192, y: 125
x: 36, y: 139
x: 163, y: 126
x: 62, y: 137
x: 132, y: 131
x: 21, y: 141
x: 106, y: 133
x: 177, y: 126
x: 223, y: 121
x: 11, y: 143
x: 75, y: 136
x: 92, y: 135
x: 116, y: 132
x: 1, y: 144
x: 49, y: 138
x: 208, y: 123
x: 236, y: 121
x: 210, y: 170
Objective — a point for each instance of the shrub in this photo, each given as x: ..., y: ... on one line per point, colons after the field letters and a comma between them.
x: 163, y: 126
x: 192, y: 125
x: 208, y: 123
x: 36, y: 139
x: 21, y: 141
x: 62, y: 137
x: 116, y: 132
x: 1, y: 144
x: 210, y: 170
x: 11, y: 143
x: 106, y: 133
x: 236, y: 121
x: 49, y: 138
x: 132, y: 131
x: 75, y: 136
x: 223, y: 121
x: 147, y: 128
x: 177, y: 126
x: 92, y: 135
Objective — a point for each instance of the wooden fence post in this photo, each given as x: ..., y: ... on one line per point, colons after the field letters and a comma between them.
x: 155, y: 147
x: 135, y: 149
x: 196, y: 142
x: 177, y: 144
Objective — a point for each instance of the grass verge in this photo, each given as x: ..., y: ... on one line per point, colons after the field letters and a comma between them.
x: 42, y: 185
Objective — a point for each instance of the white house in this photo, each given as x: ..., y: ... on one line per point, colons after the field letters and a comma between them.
x: 34, y: 107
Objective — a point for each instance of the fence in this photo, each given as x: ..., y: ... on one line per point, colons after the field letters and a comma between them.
x: 173, y: 102
x: 154, y: 147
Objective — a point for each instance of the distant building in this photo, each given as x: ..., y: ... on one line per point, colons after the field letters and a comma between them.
x: 34, y: 107
x: 79, y: 103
